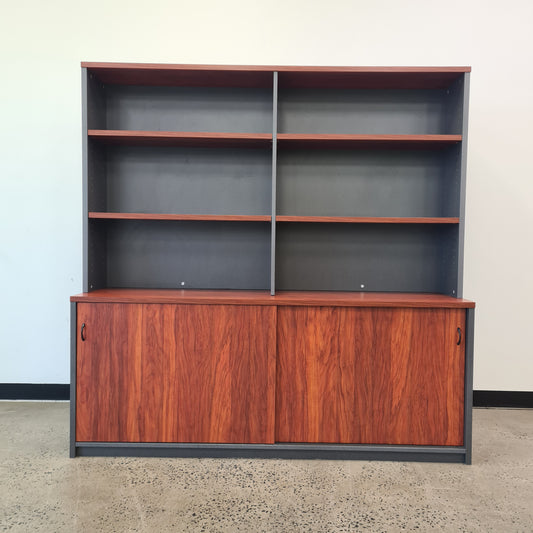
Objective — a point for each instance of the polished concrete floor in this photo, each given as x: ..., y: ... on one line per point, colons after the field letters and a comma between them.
x: 41, y: 489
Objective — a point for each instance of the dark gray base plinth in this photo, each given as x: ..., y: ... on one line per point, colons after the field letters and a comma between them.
x: 437, y: 454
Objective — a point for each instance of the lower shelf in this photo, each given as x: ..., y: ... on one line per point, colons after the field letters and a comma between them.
x: 432, y: 454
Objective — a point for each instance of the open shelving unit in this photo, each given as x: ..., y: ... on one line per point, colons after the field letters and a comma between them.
x: 326, y: 187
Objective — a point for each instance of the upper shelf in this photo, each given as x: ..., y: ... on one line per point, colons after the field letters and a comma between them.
x: 262, y: 76
x: 368, y: 220
x: 173, y: 138
x: 165, y: 216
x: 264, y: 140
x: 300, y: 140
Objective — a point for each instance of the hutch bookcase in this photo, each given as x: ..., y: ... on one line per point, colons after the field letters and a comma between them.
x: 273, y: 263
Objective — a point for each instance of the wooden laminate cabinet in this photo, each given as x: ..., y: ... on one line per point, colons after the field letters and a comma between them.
x: 273, y: 263
x: 175, y: 373
x: 371, y: 376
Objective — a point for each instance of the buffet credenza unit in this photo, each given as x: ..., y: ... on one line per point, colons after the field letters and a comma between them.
x: 273, y: 263
x: 247, y: 374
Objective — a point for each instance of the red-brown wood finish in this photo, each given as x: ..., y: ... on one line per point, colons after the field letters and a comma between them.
x: 175, y: 138
x: 176, y: 373
x: 164, y: 216
x: 325, y: 141
x: 282, y: 298
x: 370, y: 376
x: 369, y: 220
x: 289, y: 76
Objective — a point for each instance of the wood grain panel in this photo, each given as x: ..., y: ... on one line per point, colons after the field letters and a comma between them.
x: 369, y: 376
x: 176, y: 373
x: 107, y: 364
x: 282, y: 298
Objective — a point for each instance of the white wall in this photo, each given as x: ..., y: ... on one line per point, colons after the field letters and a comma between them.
x: 42, y: 44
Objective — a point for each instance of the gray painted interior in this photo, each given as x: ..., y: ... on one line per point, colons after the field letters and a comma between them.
x: 188, y: 180
x: 360, y: 111
x: 410, y: 183
x: 273, y: 193
x: 189, y: 109
x: 206, y: 255
x: 381, y: 257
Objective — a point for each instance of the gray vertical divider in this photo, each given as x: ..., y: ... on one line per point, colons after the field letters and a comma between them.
x: 73, y: 350
x: 85, y: 183
x: 274, y: 178
x: 464, y: 143
x: 469, y: 383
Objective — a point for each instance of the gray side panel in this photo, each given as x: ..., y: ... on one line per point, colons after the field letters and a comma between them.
x: 363, y: 111
x: 469, y: 379
x: 198, y: 254
x: 370, y: 257
x: 464, y: 146
x: 85, y: 174
x: 188, y: 180
x: 414, y: 183
x: 282, y: 451
x: 73, y: 360
x: 274, y: 184
x: 189, y: 109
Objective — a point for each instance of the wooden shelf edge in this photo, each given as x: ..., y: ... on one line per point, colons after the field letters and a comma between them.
x: 157, y: 216
x: 368, y: 220
x: 283, y: 298
x: 180, y: 138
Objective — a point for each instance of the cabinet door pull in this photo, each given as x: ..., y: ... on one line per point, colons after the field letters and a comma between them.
x: 81, y: 332
x: 460, y: 336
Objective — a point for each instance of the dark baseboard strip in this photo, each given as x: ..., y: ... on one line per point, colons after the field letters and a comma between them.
x: 501, y: 398
x: 34, y: 391
x: 61, y: 391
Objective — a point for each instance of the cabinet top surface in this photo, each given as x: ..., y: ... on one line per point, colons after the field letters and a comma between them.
x: 260, y: 76
x: 270, y: 68
x: 303, y: 298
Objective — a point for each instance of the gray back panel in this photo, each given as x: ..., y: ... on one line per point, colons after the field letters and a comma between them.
x: 381, y: 257
x: 204, y: 255
x: 398, y: 183
x: 189, y: 109
x: 97, y: 254
x: 189, y: 180
x: 370, y: 112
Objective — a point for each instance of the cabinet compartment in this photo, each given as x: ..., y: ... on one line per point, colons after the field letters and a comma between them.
x: 373, y: 183
x: 163, y: 254
x: 152, y: 179
x: 373, y: 112
x: 139, y: 107
x: 367, y: 257
x: 370, y: 376
x: 175, y: 373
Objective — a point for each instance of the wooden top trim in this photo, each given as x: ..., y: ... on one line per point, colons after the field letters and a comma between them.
x: 270, y: 68
x: 292, y: 298
x: 257, y: 76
